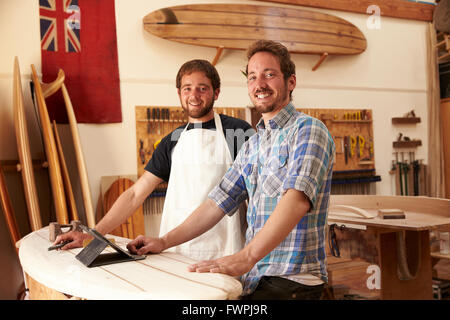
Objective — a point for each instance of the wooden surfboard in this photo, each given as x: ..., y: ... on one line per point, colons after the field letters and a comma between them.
x: 51, y: 153
x: 161, y: 276
x: 235, y: 26
x: 134, y: 226
x: 23, y: 147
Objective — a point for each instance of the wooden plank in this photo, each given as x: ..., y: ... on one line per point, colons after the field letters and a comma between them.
x: 422, y: 213
x: 389, y: 8
x: 23, y: 147
x: 82, y: 171
x: 51, y: 153
x: 236, y: 26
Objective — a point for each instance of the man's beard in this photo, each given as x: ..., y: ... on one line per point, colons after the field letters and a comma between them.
x: 262, y: 108
x: 198, y: 113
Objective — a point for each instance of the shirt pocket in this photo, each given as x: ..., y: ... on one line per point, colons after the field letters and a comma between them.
x: 276, y: 174
x: 250, y: 177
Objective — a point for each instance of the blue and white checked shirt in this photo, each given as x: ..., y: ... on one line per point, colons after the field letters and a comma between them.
x: 296, y: 151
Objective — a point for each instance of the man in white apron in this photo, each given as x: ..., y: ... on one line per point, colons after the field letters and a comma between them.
x: 192, y: 162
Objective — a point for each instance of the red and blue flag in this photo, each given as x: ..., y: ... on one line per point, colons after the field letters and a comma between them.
x: 79, y: 36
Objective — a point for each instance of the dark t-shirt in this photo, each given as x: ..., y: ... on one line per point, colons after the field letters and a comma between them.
x: 236, y: 132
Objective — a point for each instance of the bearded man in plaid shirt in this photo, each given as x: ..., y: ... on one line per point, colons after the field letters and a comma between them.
x: 284, y: 171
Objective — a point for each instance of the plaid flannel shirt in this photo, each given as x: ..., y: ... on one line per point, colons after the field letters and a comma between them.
x: 295, y: 151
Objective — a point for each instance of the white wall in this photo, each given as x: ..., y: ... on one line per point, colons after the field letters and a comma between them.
x: 389, y: 78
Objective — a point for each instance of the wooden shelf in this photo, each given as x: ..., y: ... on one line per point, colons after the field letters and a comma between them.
x: 407, y: 144
x: 405, y: 120
x: 439, y: 255
x: 351, y: 121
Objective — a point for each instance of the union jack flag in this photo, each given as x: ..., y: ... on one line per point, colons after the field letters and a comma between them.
x: 86, y: 49
x: 60, y: 24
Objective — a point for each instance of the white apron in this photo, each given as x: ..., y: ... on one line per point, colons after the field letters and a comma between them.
x: 199, y: 160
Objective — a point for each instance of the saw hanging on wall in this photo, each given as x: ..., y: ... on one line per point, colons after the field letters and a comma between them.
x: 235, y: 26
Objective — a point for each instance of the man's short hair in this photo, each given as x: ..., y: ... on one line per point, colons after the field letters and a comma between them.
x: 287, y: 66
x: 199, y: 65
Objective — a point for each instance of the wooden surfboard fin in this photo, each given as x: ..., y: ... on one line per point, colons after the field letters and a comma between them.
x: 322, y: 59
x: 168, y: 16
x: 51, y: 153
x: 23, y: 146
x: 66, y: 178
x: 218, y: 54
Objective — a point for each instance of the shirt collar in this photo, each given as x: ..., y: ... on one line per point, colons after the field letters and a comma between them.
x: 280, y: 119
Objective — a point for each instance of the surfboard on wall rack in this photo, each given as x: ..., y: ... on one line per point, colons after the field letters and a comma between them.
x: 235, y: 26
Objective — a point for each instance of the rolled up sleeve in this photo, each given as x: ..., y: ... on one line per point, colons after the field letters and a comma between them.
x: 312, y: 151
x: 231, y: 190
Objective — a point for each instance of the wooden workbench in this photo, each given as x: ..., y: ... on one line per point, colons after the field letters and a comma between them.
x: 377, y: 241
x: 58, y: 274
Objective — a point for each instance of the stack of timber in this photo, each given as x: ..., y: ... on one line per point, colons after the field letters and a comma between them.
x: 61, y: 187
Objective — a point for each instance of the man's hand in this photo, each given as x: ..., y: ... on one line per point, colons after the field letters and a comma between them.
x: 74, y: 238
x: 234, y: 265
x: 143, y: 245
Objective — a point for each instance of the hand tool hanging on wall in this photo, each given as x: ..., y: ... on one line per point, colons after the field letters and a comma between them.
x: 142, y: 151
x: 158, y: 117
x: 148, y: 121
x: 405, y: 173
x: 357, y: 146
x: 416, y: 169
x: 346, y: 149
x: 400, y: 169
x: 154, y: 116
x: 361, y: 142
x: 352, y: 145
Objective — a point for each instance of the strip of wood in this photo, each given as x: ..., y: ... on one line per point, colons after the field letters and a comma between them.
x: 82, y: 171
x: 389, y: 8
x: 51, y: 152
